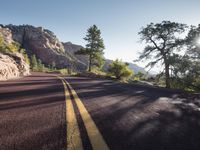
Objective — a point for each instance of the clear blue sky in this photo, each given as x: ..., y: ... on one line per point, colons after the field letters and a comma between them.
x: 119, y: 20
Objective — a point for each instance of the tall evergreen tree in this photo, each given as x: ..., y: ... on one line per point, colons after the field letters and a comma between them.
x: 39, y: 65
x: 94, y: 47
x: 34, y: 64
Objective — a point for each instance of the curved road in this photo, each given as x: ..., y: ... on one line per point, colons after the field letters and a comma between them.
x: 34, y: 114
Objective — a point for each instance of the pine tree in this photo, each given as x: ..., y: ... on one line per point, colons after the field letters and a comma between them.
x: 39, y: 65
x: 34, y: 64
x: 94, y: 48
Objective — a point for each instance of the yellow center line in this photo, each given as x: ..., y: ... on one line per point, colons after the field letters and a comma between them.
x: 73, y: 134
x: 94, y: 134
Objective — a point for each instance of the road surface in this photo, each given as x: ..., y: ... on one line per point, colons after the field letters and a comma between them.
x: 43, y: 111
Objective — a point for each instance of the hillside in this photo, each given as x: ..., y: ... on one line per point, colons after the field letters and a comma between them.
x: 45, y: 45
x: 12, y: 63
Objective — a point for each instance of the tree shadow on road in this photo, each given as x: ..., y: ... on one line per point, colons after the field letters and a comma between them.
x: 140, y: 118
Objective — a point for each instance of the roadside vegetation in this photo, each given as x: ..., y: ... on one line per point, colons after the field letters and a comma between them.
x: 138, y: 76
x: 119, y: 70
x: 8, y: 48
x: 37, y: 65
x: 176, y: 47
x: 94, y: 48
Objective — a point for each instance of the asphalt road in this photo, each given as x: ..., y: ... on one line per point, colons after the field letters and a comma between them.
x: 133, y: 117
x: 33, y: 115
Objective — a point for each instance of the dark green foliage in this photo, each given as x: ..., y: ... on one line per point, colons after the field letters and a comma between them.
x: 181, y: 70
x: 139, y: 76
x: 34, y: 64
x: 2, y: 45
x: 37, y: 65
x: 186, y: 68
x: 185, y: 73
x: 94, y: 48
x: 40, y: 65
x: 120, y: 70
x: 193, y: 42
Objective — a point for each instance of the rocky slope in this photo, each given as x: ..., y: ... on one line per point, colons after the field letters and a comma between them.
x: 12, y: 64
x: 71, y: 48
x: 45, y: 45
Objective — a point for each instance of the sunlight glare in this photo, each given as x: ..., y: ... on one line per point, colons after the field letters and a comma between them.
x: 198, y: 41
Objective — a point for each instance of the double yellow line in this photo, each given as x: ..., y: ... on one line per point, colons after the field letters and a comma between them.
x: 74, y: 141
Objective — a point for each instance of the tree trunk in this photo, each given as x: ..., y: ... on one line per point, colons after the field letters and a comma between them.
x: 167, y: 76
x: 90, y: 63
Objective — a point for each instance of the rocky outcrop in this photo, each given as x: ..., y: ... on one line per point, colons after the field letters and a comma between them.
x: 8, y: 68
x: 6, y: 34
x: 44, y: 44
x: 12, y: 64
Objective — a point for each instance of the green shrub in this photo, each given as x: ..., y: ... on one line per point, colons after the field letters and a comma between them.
x: 23, y: 52
x: 5, y: 48
x: 120, y: 70
x: 139, y: 76
x: 63, y: 71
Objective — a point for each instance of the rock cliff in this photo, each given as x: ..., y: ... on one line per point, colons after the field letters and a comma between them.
x: 12, y: 64
x: 71, y: 48
x: 45, y: 45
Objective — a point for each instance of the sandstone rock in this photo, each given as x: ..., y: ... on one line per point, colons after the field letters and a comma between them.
x: 23, y: 67
x: 8, y: 68
x: 6, y: 34
x: 13, y: 66
x: 45, y: 45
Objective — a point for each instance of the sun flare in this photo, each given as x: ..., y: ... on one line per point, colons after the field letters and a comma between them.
x: 198, y: 41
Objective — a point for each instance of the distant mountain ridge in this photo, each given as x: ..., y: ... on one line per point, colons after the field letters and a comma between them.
x: 71, y: 48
